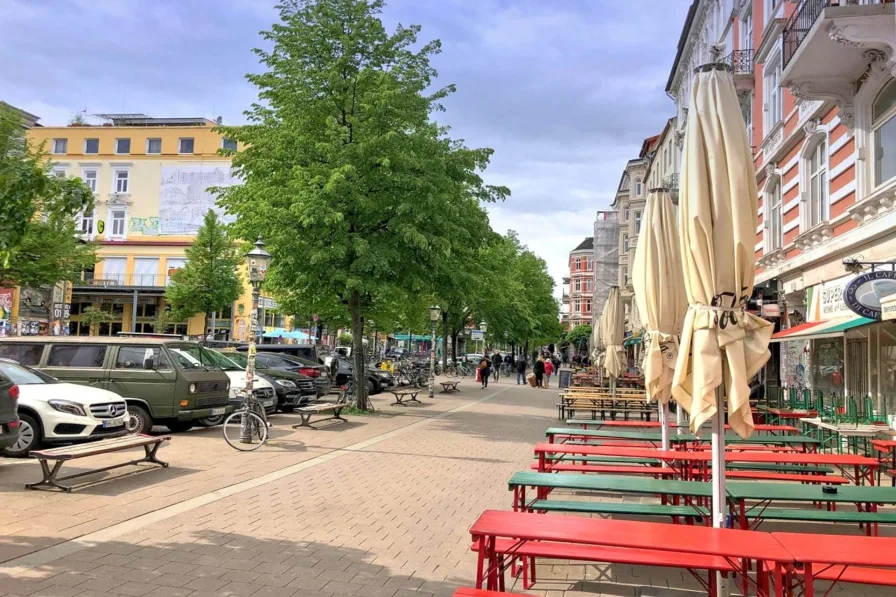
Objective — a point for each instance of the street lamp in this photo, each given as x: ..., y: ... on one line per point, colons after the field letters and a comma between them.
x: 434, y: 313
x: 483, y: 327
x: 257, y: 261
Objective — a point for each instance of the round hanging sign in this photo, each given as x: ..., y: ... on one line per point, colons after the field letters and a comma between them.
x: 862, y: 295
x: 100, y: 227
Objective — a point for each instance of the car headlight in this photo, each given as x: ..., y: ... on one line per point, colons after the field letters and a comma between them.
x: 192, y: 388
x: 65, y: 406
x: 285, y: 383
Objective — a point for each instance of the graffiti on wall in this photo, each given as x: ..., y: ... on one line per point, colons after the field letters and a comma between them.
x: 184, y: 198
x: 146, y: 226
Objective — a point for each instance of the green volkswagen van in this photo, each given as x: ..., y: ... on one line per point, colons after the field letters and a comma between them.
x: 164, y: 381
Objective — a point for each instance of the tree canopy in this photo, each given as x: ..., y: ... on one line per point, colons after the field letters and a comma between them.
x: 359, y: 193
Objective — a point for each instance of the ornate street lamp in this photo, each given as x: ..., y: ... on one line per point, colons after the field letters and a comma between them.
x: 483, y: 327
x: 434, y: 313
x: 257, y: 261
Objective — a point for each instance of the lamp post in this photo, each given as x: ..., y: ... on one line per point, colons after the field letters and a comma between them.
x: 257, y: 261
x: 434, y: 313
x: 483, y: 327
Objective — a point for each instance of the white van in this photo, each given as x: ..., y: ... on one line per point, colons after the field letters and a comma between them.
x: 51, y: 411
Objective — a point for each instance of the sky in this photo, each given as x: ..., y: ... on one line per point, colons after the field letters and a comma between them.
x: 564, y: 91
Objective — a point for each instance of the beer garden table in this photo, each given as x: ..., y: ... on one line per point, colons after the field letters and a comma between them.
x: 687, y: 440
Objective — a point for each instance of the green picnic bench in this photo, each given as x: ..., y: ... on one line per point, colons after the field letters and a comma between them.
x: 627, y: 508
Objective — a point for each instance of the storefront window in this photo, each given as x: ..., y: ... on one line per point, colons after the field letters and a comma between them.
x: 887, y: 369
x: 827, y: 366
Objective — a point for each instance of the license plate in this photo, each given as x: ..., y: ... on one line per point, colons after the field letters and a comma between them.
x: 218, y: 411
x: 268, y: 403
x: 113, y: 423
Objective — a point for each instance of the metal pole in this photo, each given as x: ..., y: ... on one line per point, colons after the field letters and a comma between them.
x: 134, y: 314
x: 664, y: 418
x: 250, y: 360
x: 432, y: 358
x: 718, y: 477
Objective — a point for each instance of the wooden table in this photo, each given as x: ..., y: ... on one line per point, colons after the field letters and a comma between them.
x: 829, y: 434
x: 884, y: 448
x: 401, y: 396
x: 814, y: 554
x: 687, y: 440
x: 599, y: 424
x: 734, y: 545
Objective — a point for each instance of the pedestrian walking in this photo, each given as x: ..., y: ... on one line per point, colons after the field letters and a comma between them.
x: 496, y: 365
x: 538, y: 370
x: 548, y: 371
x: 521, y: 370
x: 485, y: 371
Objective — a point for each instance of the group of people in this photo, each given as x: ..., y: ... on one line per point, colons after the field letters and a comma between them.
x: 543, y: 368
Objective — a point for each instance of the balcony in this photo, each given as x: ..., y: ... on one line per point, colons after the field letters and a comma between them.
x: 106, y: 282
x: 828, y: 45
x: 741, y: 62
x: 565, y: 298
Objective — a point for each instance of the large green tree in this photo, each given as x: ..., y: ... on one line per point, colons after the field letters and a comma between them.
x: 47, y: 252
x: 28, y: 187
x: 358, y: 192
x: 208, y: 281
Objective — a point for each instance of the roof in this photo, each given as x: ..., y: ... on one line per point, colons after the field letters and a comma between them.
x: 29, y: 119
x: 648, y: 145
x: 682, y: 41
x: 144, y: 120
x: 585, y: 245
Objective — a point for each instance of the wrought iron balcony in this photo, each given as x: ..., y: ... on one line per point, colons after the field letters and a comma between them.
x: 800, y: 23
x: 671, y: 181
x: 741, y: 62
x: 123, y: 281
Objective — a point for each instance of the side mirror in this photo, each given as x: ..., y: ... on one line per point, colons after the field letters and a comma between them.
x: 149, y: 364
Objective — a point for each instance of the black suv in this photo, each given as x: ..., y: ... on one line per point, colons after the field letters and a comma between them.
x: 9, y: 418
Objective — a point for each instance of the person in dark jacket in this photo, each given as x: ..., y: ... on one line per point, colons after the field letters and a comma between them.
x: 485, y: 371
x: 496, y: 365
x: 508, y: 359
x: 521, y: 370
x: 538, y: 370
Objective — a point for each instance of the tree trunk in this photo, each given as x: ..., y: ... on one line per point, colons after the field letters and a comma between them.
x: 444, y: 340
x: 358, y: 351
x: 454, y: 346
x: 204, y: 325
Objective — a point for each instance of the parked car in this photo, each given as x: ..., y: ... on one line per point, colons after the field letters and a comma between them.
x: 319, y: 373
x: 309, y: 352
x: 396, y: 353
x: 9, y: 419
x: 377, y: 380
x: 164, y: 381
x: 292, y: 389
x: 262, y: 388
x: 52, y: 412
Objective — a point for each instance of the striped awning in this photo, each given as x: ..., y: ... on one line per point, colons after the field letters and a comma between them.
x: 830, y: 328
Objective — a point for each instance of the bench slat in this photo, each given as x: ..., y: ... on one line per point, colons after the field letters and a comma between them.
x: 822, y: 515
x: 859, y: 575
x: 321, y: 407
x: 615, y: 508
x: 104, y: 446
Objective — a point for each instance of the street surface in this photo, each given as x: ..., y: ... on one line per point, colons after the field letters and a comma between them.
x: 379, y: 507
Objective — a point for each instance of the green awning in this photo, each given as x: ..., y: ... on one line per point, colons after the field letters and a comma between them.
x: 631, y: 341
x: 831, y: 328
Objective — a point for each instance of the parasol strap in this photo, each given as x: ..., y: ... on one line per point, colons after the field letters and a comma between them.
x: 728, y: 314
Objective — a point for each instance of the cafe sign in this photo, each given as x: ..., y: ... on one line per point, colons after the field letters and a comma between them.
x: 865, y: 293
x: 825, y: 300
x: 888, y: 307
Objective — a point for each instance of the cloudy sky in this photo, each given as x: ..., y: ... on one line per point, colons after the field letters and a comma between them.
x: 564, y: 91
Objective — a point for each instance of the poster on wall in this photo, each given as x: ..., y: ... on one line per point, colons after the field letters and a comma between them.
x: 825, y: 300
x: 184, y: 198
x: 6, y: 298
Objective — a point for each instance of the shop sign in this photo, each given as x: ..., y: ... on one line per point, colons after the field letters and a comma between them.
x: 888, y: 307
x: 864, y: 293
x: 770, y: 310
x: 477, y: 335
x: 825, y: 300
x: 266, y: 303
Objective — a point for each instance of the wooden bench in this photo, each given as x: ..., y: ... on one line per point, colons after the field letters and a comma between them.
x: 689, y: 512
x: 449, y: 386
x: 609, y: 469
x: 402, y: 395
x: 64, y: 454
x: 567, y: 407
x: 306, y: 412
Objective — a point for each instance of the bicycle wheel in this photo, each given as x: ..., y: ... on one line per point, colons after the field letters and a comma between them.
x: 246, y: 435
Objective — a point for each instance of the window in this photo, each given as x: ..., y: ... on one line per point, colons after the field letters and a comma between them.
x: 578, y: 263
x: 625, y: 243
x: 589, y: 285
x: 60, y: 145
x: 819, y: 201
x: 123, y: 146
x: 121, y: 181
x: 185, y: 145
x: 118, y: 217
x: 775, y: 224
x: 146, y: 271
x: 91, y: 145
x: 153, y: 146
x: 135, y: 357
x: 79, y: 355
x: 26, y: 354
x: 746, y: 33
x: 113, y: 269
x: 768, y: 9
x: 638, y: 187
x: 637, y: 221
x: 587, y: 305
x: 883, y: 116
x: 625, y: 214
x: 577, y: 306
x: 85, y: 224
x: 59, y: 172
x: 625, y: 275
x: 773, y: 108
x: 578, y: 285
x: 228, y: 144
x: 173, y: 264
x: 89, y: 177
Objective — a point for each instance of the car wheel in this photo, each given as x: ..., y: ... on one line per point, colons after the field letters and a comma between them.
x: 210, y: 421
x: 178, y: 426
x: 139, y: 420
x: 372, y: 388
x: 29, y: 437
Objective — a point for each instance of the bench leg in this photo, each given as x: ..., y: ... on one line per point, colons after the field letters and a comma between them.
x: 49, y: 479
x: 151, y: 455
x: 306, y: 419
x: 337, y: 415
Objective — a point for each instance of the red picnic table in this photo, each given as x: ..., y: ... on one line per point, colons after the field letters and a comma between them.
x: 598, y: 423
x: 885, y: 448
x: 838, y: 558
x: 499, y: 535
x: 862, y: 467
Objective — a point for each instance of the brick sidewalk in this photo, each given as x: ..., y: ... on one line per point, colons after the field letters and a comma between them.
x: 387, y: 517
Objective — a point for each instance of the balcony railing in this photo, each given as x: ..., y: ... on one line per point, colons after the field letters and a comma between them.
x: 90, y: 280
x: 803, y: 18
x: 741, y: 62
x: 671, y: 181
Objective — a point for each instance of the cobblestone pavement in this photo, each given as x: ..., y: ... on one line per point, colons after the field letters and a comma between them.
x: 379, y: 507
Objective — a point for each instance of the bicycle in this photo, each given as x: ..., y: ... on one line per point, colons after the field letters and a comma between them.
x: 246, y: 428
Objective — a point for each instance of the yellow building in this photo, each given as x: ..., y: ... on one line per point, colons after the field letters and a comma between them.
x: 150, y: 177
